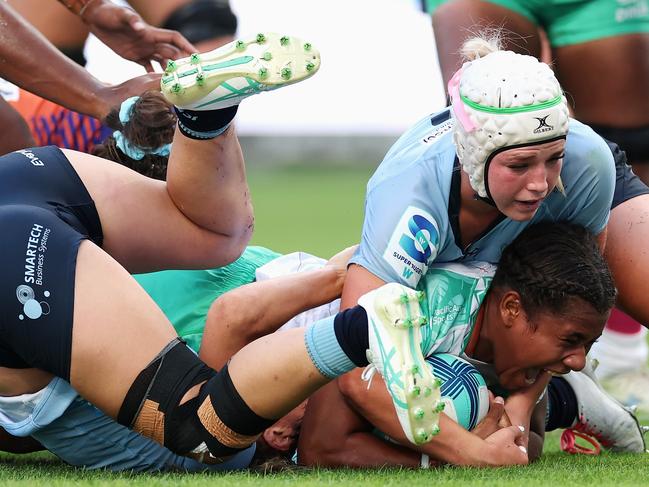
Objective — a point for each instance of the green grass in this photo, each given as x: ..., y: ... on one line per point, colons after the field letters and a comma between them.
x: 319, y: 210
x: 555, y: 468
x: 312, y: 209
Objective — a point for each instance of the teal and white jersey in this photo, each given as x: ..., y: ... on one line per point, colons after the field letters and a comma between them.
x: 412, y: 204
x: 454, y: 294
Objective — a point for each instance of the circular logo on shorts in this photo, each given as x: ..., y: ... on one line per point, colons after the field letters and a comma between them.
x: 32, y: 308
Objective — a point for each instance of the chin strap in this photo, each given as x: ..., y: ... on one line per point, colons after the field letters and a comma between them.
x: 485, y: 199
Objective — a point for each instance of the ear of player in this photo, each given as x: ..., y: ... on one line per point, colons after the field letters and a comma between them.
x: 394, y: 319
x: 225, y: 76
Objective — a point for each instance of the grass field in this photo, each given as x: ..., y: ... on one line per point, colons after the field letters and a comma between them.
x: 313, y: 209
x: 320, y: 210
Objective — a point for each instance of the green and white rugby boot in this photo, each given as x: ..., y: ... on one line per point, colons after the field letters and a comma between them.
x: 223, y: 77
x: 394, y: 318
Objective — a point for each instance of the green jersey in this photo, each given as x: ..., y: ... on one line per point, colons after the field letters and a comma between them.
x: 454, y: 294
x: 186, y: 296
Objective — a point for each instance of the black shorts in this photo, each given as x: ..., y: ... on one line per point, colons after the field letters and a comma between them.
x: 203, y: 20
x: 627, y: 184
x: 45, y: 213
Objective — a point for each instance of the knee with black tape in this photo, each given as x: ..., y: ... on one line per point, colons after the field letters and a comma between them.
x: 217, y: 418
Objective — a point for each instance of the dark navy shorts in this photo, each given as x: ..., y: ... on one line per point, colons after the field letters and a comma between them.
x: 627, y: 184
x: 45, y: 213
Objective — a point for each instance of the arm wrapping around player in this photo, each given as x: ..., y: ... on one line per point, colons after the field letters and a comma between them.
x: 334, y: 435
x: 453, y: 445
x: 244, y: 314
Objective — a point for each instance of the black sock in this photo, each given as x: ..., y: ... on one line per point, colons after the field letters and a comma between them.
x: 204, y: 124
x: 352, y: 334
x: 562, y: 405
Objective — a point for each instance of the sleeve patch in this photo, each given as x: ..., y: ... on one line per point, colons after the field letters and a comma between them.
x: 413, y: 245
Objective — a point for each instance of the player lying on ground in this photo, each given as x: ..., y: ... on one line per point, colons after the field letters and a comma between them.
x: 547, y: 303
x: 81, y: 435
x: 504, y: 155
x: 72, y: 310
x: 233, y: 315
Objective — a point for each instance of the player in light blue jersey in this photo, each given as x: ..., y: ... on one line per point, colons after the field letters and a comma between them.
x: 547, y: 303
x: 473, y: 176
x: 455, y: 295
x: 462, y: 184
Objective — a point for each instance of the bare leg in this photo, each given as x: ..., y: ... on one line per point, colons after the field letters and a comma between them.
x: 278, y: 367
x: 628, y: 256
x: 117, y: 330
x: 115, y: 338
x: 201, y: 218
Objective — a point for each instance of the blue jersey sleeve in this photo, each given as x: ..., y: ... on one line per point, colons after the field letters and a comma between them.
x: 401, y: 234
x: 589, y: 179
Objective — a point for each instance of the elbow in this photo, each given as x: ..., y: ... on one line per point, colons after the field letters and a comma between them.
x: 224, y: 318
x: 220, y: 250
x: 351, y: 387
x: 232, y: 250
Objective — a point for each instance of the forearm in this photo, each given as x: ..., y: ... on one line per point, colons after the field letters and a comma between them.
x: 453, y: 444
x: 359, y: 281
x: 30, y: 61
x: 334, y: 435
x: 260, y: 308
x: 278, y: 300
x: 362, y: 450
x: 537, y: 430
x: 527, y: 408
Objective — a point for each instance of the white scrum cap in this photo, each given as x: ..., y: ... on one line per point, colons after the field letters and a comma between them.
x: 500, y: 101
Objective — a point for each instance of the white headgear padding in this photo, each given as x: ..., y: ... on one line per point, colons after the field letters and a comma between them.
x: 503, y: 100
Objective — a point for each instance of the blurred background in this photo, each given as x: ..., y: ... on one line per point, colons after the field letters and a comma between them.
x: 311, y: 148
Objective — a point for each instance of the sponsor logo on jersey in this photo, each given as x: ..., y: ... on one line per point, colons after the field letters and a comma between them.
x: 35, y: 252
x: 631, y: 9
x: 437, y: 132
x: 33, y: 158
x: 413, y: 245
x: 544, y: 126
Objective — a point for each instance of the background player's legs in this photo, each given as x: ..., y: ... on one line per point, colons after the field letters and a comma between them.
x: 455, y: 21
x: 626, y: 253
x: 608, y: 79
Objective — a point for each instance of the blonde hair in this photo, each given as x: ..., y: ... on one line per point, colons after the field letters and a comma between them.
x: 481, y: 45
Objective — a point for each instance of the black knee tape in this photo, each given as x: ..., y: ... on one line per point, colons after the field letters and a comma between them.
x: 229, y: 423
x: 201, y: 20
x: 152, y: 403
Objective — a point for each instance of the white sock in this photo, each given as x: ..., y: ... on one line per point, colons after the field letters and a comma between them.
x: 620, y: 352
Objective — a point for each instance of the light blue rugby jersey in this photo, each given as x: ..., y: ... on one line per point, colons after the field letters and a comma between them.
x: 412, y: 202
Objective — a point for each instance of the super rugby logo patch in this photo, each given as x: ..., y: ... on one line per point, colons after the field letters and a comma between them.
x: 413, y: 245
